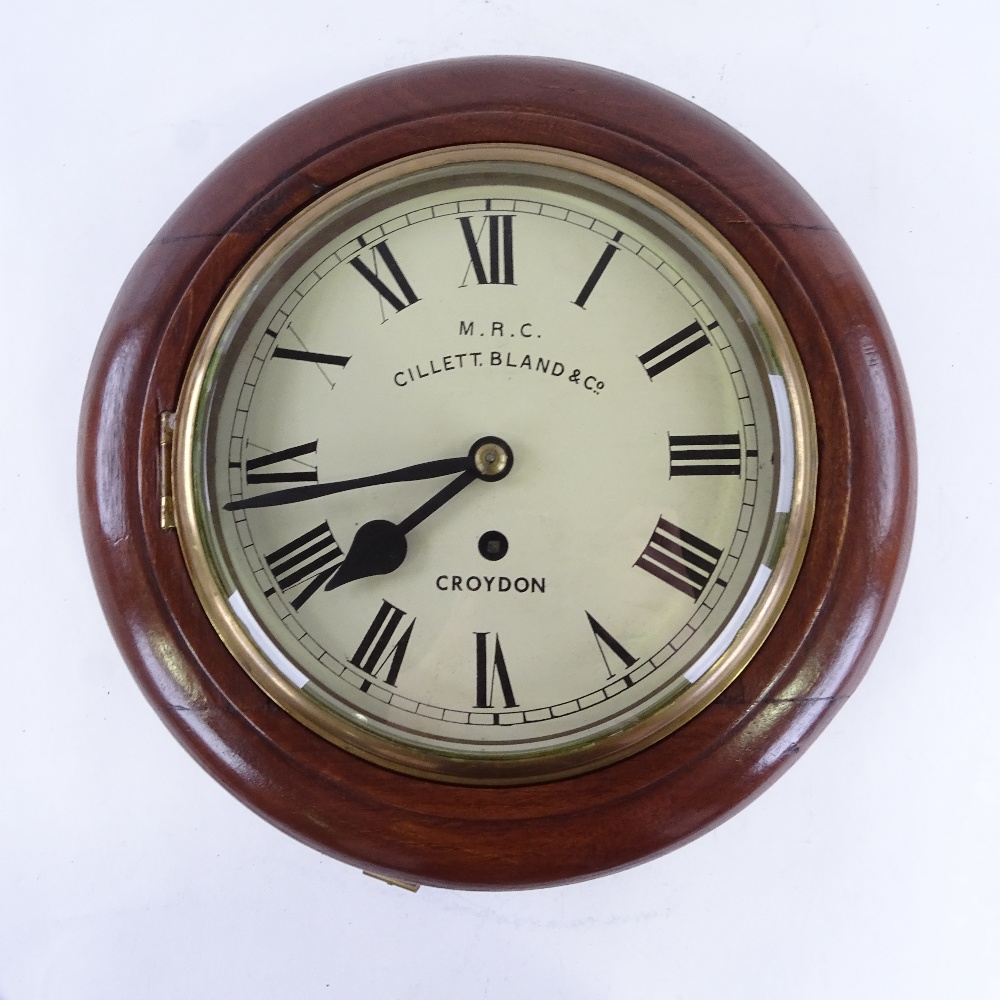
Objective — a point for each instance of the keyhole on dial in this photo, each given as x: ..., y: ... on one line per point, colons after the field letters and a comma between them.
x: 493, y: 545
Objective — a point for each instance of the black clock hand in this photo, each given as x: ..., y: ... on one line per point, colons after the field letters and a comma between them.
x: 379, y: 547
x: 296, y: 494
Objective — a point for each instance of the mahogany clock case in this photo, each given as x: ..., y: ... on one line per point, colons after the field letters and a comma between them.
x: 511, y: 837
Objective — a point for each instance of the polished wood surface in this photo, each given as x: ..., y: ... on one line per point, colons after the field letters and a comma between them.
x: 658, y: 799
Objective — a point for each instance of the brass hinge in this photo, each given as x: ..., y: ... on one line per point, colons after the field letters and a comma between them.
x: 167, y: 471
x: 399, y: 883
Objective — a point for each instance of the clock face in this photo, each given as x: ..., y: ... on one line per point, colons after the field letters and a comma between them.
x: 494, y: 465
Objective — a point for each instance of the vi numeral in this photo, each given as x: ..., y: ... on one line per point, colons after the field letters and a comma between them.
x: 498, y: 266
x: 489, y: 671
x: 312, y: 558
x: 679, y: 558
x: 401, y: 295
x: 375, y: 651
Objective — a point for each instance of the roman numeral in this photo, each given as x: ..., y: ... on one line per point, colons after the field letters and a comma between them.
x: 486, y: 676
x: 319, y: 359
x: 381, y: 250
x: 681, y: 345
x: 679, y: 558
x: 595, y: 275
x: 499, y: 250
x: 374, y: 651
x: 313, y: 556
x: 704, y: 454
x: 605, y: 640
x: 276, y: 457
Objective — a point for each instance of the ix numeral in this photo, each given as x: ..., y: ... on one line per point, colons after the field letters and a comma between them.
x: 499, y: 250
x: 679, y: 558
x: 487, y: 676
x: 704, y: 454
x: 285, y: 455
x: 374, y: 651
x: 381, y: 250
x: 681, y: 345
x: 313, y: 556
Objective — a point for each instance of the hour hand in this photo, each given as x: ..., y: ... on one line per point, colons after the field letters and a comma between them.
x: 378, y: 547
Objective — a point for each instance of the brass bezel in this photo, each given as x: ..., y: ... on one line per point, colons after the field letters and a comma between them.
x: 537, y: 766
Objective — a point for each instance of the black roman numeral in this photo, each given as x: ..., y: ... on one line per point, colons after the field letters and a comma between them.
x: 381, y: 250
x: 313, y: 556
x: 595, y: 275
x: 679, y: 558
x: 681, y: 345
x: 319, y: 359
x: 704, y: 454
x: 499, y: 250
x: 285, y: 455
x: 374, y: 652
x: 605, y: 640
x: 486, y: 677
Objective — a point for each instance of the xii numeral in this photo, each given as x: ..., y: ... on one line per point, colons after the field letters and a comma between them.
x: 313, y: 556
x: 403, y: 295
x: 679, y: 558
x: 498, y: 268
x: 374, y: 652
x: 704, y: 454
x: 669, y: 352
x: 487, y: 673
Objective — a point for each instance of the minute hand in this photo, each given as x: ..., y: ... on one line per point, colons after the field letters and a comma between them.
x: 296, y: 494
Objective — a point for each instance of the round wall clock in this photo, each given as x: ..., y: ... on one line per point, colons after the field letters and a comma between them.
x: 497, y: 472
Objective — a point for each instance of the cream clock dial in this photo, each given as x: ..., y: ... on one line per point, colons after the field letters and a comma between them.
x: 494, y: 465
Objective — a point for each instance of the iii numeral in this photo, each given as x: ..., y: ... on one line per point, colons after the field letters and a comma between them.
x: 499, y: 250
x: 679, y: 558
x: 606, y: 641
x: 313, y: 556
x: 681, y: 345
x: 704, y: 454
x: 381, y: 250
x: 285, y: 455
x: 487, y: 676
x: 375, y: 652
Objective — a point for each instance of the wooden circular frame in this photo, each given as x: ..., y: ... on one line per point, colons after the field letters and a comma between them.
x: 508, y: 837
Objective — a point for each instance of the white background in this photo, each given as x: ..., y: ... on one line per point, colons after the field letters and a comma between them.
x: 869, y: 870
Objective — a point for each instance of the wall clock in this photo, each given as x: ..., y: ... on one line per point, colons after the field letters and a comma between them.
x: 496, y: 472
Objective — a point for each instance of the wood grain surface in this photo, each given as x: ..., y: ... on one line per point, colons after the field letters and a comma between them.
x: 660, y: 798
